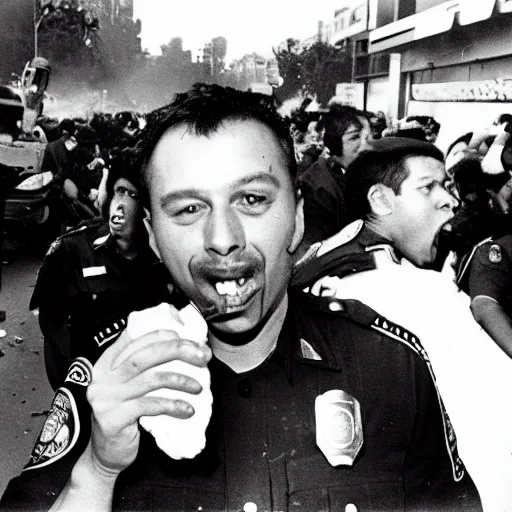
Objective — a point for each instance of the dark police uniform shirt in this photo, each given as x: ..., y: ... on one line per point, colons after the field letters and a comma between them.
x: 261, y: 446
x: 489, y: 271
x: 358, y: 263
x: 83, y: 285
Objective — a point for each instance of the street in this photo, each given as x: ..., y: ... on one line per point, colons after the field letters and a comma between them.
x: 24, y: 390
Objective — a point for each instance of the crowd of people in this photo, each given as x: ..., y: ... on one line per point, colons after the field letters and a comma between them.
x: 354, y: 280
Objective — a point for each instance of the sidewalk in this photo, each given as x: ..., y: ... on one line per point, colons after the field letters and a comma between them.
x: 24, y: 390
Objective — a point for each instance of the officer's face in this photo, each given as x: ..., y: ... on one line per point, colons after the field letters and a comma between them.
x: 421, y: 210
x: 223, y: 212
x: 125, y: 211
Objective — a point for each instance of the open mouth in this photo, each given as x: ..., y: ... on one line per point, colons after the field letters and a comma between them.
x: 117, y: 220
x: 234, y: 290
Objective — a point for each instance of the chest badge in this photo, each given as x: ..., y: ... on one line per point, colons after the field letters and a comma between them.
x: 339, y: 428
x: 495, y: 255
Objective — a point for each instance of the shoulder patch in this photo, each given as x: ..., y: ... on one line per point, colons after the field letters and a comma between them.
x: 495, y: 255
x: 406, y: 337
x: 59, y: 433
x: 80, y: 372
x: 346, y: 235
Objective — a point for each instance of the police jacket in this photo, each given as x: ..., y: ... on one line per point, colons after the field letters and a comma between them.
x: 82, y: 285
x: 466, y: 364
x: 262, y: 439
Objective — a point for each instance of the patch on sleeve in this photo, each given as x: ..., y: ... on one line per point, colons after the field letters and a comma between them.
x: 495, y: 255
x: 80, y: 372
x: 59, y: 433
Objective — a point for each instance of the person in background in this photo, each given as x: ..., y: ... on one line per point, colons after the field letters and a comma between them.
x: 322, y: 185
x: 399, y: 206
x: 72, y: 161
x: 226, y: 219
x: 456, y: 151
x: 482, y: 241
x: 95, y: 274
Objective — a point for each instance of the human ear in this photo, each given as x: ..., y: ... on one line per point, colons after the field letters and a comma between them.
x: 299, y: 226
x: 380, y: 199
x: 151, y: 234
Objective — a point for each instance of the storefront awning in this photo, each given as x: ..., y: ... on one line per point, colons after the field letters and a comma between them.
x: 433, y: 21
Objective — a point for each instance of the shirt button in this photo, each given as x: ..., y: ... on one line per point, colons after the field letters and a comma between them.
x: 244, y: 388
x: 350, y: 508
x: 250, y: 507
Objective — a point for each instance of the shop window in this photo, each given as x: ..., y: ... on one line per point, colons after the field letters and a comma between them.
x: 362, y: 46
x: 389, y: 11
x: 385, y: 12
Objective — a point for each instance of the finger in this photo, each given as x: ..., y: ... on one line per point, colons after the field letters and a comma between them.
x: 152, y: 380
x: 139, y: 343
x: 156, y: 405
x: 162, y: 352
x: 147, y: 340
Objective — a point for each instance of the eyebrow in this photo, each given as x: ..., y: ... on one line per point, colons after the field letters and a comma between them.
x: 199, y: 194
x: 442, y: 179
x: 355, y: 130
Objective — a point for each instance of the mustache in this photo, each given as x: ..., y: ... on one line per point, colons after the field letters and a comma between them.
x: 227, y: 267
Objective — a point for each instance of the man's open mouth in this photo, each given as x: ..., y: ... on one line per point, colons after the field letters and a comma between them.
x: 234, y: 289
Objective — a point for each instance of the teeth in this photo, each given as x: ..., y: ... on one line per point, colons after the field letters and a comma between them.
x: 229, y: 287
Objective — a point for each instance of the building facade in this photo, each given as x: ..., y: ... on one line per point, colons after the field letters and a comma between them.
x: 451, y: 59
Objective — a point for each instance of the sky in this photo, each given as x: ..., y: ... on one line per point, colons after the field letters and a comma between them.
x: 248, y: 26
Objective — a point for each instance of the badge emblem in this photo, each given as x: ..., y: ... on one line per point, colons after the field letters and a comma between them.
x: 495, y: 254
x: 59, y: 433
x: 339, y: 429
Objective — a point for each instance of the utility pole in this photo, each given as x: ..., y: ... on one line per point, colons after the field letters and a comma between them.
x: 36, y: 27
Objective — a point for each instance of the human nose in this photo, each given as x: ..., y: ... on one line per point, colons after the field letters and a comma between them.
x: 224, y: 233
x: 447, y: 201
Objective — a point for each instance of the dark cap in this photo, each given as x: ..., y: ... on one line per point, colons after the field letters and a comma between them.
x: 403, y: 146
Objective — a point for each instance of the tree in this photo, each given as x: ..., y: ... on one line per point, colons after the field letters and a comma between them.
x: 88, y: 43
x: 314, y: 70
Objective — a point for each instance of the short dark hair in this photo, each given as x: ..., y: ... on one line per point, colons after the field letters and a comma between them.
x: 67, y: 125
x: 466, y: 138
x: 335, y: 123
x: 204, y: 109
x: 384, y: 163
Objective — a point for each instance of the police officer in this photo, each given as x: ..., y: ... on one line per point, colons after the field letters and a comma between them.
x: 94, y: 275
x: 317, y: 404
x: 398, y: 198
x: 485, y: 273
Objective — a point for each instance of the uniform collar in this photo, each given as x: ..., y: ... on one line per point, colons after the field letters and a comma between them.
x: 295, y: 346
x: 102, y: 241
